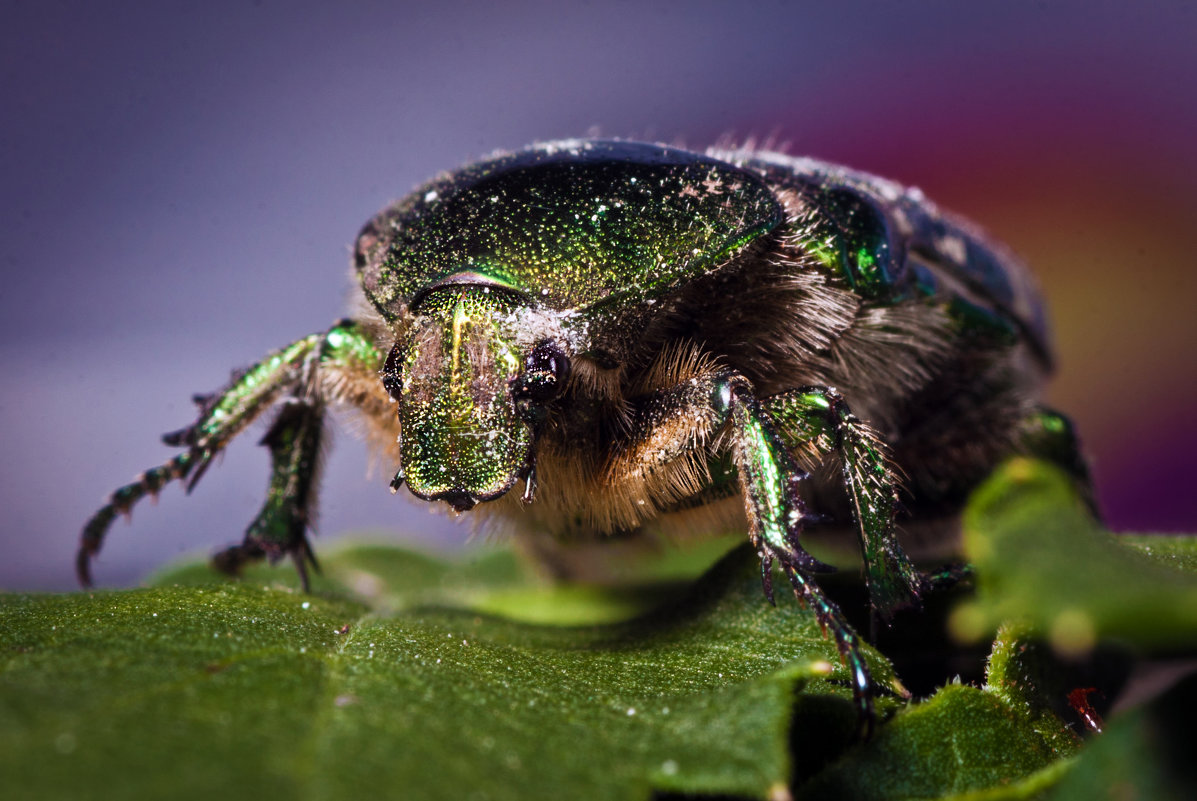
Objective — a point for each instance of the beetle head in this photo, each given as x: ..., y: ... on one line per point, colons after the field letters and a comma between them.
x: 470, y: 397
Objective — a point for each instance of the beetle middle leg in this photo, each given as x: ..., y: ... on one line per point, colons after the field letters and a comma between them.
x: 819, y: 418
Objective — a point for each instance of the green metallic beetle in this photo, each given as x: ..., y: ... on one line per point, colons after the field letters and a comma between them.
x: 596, y: 338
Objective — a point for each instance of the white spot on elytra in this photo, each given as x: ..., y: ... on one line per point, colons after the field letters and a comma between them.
x: 953, y: 247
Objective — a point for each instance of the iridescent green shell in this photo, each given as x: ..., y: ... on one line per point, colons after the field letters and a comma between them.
x: 573, y: 225
x: 889, y: 243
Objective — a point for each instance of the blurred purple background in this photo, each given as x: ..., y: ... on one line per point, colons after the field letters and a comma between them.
x: 182, y: 181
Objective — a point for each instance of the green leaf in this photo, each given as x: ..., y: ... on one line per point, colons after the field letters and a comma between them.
x: 961, y: 741
x: 1024, y: 675
x: 1042, y: 560
x: 486, y: 579
x: 999, y: 743
x: 416, y: 677
x: 1178, y: 551
x: 239, y: 691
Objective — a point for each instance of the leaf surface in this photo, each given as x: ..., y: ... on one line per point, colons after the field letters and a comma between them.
x: 238, y: 690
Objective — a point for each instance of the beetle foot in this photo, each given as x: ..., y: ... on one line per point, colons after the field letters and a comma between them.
x: 232, y: 561
x: 949, y: 576
x: 767, y: 576
x: 831, y: 621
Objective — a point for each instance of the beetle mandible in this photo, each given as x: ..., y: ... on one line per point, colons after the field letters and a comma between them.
x: 601, y: 337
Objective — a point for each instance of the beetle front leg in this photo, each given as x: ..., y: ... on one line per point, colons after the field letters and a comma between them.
x: 685, y: 419
x: 770, y: 478
x: 819, y: 417
x: 280, y: 529
x: 311, y: 369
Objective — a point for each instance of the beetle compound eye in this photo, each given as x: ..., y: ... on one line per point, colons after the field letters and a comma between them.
x: 392, y: 373
x: 545, y: 372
